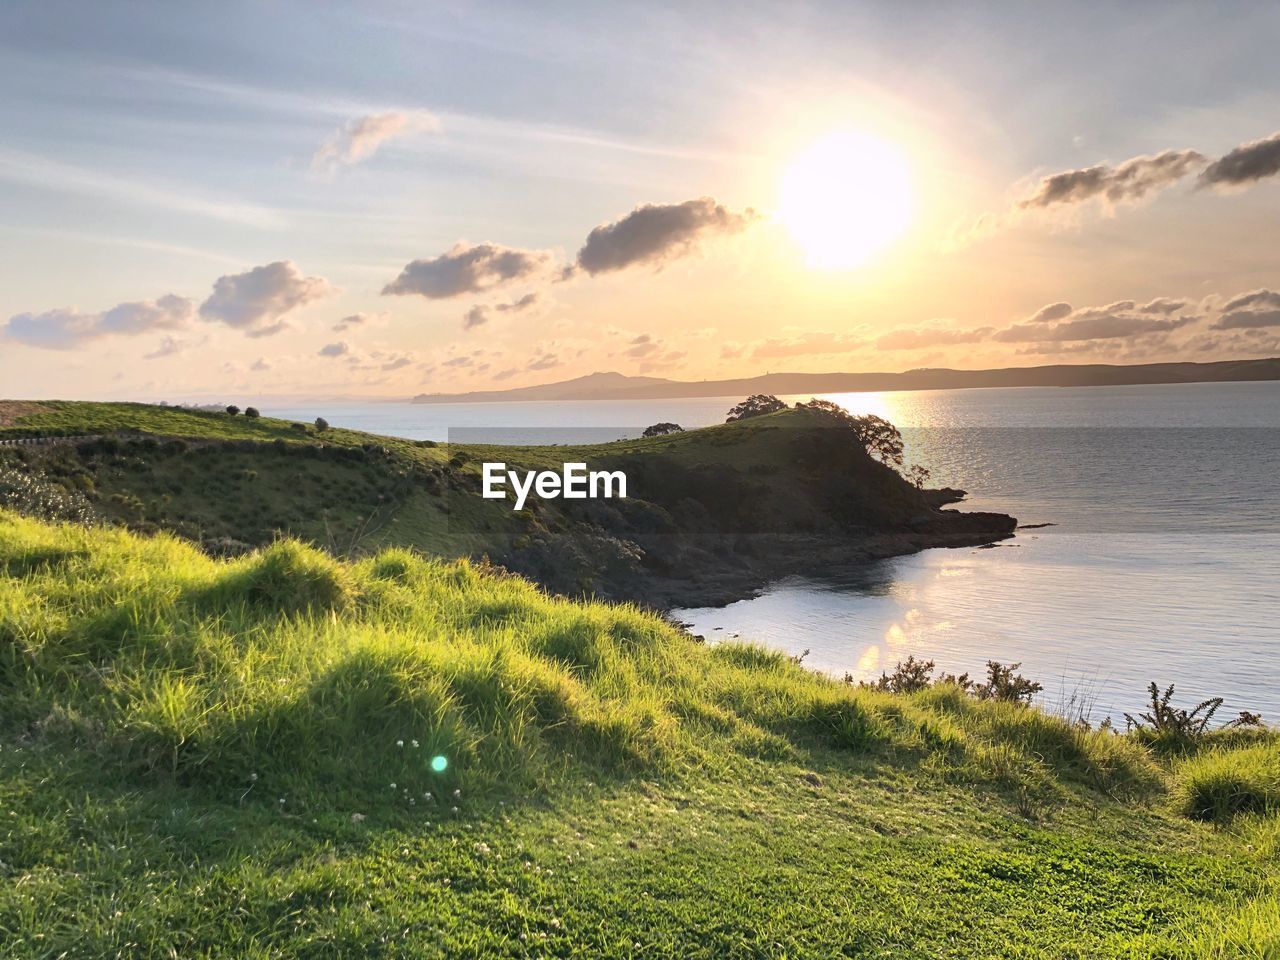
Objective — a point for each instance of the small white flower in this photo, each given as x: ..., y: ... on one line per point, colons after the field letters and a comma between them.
x: 457, y: 794
x: 453, y: 809
x: 393, y: 786
x: 282, y: 799
x: 414, y: 744
x: 427, y: 797
x: 253, y: 777
x: 399, y: 743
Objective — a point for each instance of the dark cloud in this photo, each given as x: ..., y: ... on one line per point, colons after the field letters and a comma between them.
x: 465, y: 270
x: 479, y: 314
x: 654, y: 233
x: 67, y: 328
x: 257, y: 300
x: 339, y: 349
x: 1120, y: 320
x: 1126, y: 182
x: 351, y: 322
x: 1246, y: 164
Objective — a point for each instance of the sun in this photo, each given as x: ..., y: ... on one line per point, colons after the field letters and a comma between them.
x: 846, y: 197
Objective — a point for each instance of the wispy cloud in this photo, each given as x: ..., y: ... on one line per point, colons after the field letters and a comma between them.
x: 51, y: 174
x: 360, y: 138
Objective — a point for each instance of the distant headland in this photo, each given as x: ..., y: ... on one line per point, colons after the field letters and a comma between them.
x: 617, y: 386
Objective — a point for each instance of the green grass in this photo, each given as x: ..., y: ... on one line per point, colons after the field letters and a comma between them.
x: 197, y: 759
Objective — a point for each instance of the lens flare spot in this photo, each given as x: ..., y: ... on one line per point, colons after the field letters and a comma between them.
x: 439, y: 764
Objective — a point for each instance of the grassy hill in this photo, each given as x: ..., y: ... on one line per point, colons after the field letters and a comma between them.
x: 234, y: 758
x: 711, y: 514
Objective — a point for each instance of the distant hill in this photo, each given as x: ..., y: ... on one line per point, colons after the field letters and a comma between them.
x: 617, y: 386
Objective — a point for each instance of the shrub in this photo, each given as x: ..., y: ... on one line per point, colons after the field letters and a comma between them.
x: 290, y: 578
x: 1163, y: 721
x: 1005, y: 685
x: 298, y: 427
x: 756, y: 405
x: 1221, y: 783
x: 232, y: 409
x: 251, y: 413
x: 908, y: 677
x: 321, y: 424
x: 662, y: 429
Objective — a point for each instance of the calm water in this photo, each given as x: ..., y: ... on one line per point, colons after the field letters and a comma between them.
x: 1163, y: 564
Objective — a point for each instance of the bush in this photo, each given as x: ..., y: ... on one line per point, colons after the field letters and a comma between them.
x: 1222, y: 783
x: 1163, y: 721
x: 252, y: 413
x: 756, y: 405
x: 290, y: 578
x: 232, y: 409
x: 1005, y: 685
x: 662, y: 429
x: 298, y: 427
x: 321, y: 424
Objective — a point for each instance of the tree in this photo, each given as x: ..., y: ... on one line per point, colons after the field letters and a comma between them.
x: 232, y: 409
x: 321, y: 424
x: 662, y: 429
x: 756, y: 405
x: 878, y: 436
x: 251, y: 412
x: 918, y: 475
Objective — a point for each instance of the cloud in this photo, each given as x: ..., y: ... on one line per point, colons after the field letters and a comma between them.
x: 260, y: 365
x: 169, y: 347
x: 1255, y: 298
x: 1250, y: 311
x: 354, y: 320
x: 544, y: 362
x: 806, y: 344
x: 257, y: 300
x: 68, y: 328
x: 339, y: 349
x: 506, y: 374
x: 467, y: 269
x: 1126, y: 182
x: 1246, y: 164
x: 360, y: 138
x: 655, y: 233
x: 1123, y: 319
x: 479, y: 314
x: 937, y: 334
x: 1050, y: 312
x: 1164, y: 305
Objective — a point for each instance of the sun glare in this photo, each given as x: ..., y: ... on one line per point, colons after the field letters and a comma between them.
x: 846, y: 197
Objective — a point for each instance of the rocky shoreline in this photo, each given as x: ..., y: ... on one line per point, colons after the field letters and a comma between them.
x: 674, y: 571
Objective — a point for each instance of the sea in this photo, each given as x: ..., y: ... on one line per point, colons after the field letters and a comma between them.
x: 1150, y: 550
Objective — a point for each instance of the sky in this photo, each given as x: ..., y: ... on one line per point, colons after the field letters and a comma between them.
x: 240, y: 200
